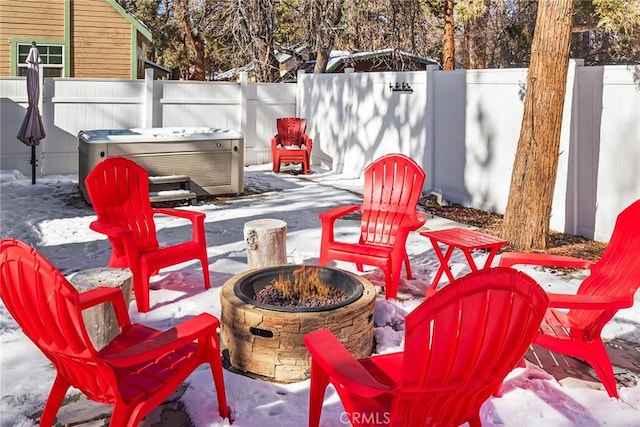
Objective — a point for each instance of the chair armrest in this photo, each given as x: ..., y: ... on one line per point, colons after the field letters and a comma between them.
x: 328, y: 219
x: 338, y: 363
x: 196, y: 218
x: 180, y: 335
x: 274, y: 143
x: 308, y: 143
x: 508, y: 259
x: 103, y: 294
x: 340, y: 211
x: 408, y: 224
x: 192, y: 216
x: 588, y: 302
x: 124, y: 235
x: 417, y: 221
x: 109, y: 229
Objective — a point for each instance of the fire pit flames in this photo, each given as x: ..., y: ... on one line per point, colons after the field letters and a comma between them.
x: 266, y: 312
x: 305, y: 290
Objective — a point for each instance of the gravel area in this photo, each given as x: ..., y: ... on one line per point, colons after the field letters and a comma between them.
x: 491, y: 223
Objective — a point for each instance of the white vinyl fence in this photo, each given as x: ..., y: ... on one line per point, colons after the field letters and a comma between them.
x: 72, y: 105
x: 461, y: 126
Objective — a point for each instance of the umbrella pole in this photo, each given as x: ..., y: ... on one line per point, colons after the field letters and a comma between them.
x: 33, y: 164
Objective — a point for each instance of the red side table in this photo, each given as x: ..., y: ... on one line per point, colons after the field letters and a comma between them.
x: 465, y: 240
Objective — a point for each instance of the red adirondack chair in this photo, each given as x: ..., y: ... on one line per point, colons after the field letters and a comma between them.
x: 291, y: 144
x: 392, y: 189
x: 610, y: 286
x: 135, y: 372
x: 119, y: 192
x: 459, y: 346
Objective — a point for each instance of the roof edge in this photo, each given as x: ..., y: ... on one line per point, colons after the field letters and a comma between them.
x: 137, y: 24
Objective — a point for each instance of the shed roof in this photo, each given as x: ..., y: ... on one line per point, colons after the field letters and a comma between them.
x: 335, y: 61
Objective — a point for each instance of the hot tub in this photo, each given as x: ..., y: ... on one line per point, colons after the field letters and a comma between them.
x: 212, y: 158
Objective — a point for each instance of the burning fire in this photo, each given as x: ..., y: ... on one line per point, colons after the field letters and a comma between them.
x: 306, y: 284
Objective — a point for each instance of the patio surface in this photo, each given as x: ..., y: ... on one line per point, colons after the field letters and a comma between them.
x: 568, y: 371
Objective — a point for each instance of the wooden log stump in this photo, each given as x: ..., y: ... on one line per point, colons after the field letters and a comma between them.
x: 266, y: 241
x: 100, y: 320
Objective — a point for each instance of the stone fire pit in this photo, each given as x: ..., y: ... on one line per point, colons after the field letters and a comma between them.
x: 266, y: 340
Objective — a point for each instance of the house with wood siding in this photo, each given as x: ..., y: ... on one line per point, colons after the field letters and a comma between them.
x: 76, y: 38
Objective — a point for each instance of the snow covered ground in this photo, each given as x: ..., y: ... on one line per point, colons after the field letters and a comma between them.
x: 52, y: 217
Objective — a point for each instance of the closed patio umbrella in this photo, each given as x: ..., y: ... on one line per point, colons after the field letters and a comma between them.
x: 32, y: 129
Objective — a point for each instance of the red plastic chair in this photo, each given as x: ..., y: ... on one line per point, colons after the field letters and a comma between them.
x: 119, y: 192
x: 291, y: 144
x: 392, y: 189
x: 459, y: 346
x: 611, y: 286
x: 135, y: 372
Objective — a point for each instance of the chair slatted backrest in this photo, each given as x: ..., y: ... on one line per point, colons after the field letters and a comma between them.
x: 392, y: 189
x: 462, y: 342
x: 47, y: 309
x: 291, y: 131
x: 119, y: 192
x: 617, y: 273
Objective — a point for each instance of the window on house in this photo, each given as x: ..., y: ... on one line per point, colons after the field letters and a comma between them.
x: 51, y: 56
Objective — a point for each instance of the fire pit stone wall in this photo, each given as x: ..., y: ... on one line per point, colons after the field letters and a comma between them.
x: 269, y: 343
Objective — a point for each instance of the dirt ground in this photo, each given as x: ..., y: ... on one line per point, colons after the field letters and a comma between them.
x: 491, y: 223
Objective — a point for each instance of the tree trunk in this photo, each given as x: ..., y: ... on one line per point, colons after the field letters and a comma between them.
x: 261, y: 31
x: 196, y: 44
x: 475, y: 44
x: 194, y: 41
x: 257, y: 18
x: 326, y: 16
x: 526, y: 220
x: 322, y: 59
x: 352, y: 26
x: 449, y: 51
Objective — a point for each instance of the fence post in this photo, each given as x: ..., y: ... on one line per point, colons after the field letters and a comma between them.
x: 568, y: 161
x: 430, y: 120
x: 244, y: 104
x: 148, y: 98
x: 573, y: 144
x: 299, y: 78
x: 351, y: 120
